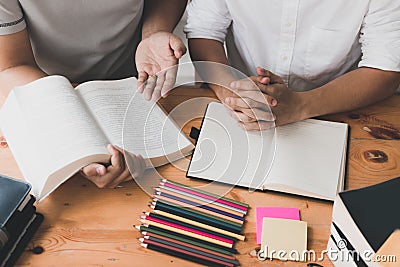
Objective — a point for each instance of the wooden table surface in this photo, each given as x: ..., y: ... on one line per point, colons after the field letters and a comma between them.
x: 87, y: 226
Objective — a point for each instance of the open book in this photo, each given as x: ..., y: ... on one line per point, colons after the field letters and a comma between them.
x: 304, y: 158
x: 54, y: 130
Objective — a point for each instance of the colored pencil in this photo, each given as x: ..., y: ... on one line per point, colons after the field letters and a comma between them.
x: 201, y: 202
x: 222, y: 253
x: 190, y: 226
x: 199, y: 224
x: 161, y: 203
x: 199, y: 208
x: 184, y: 251
x: 216, y: 253
x: 189, y: 229
x: 221, y: 199
x: 166, y: 188
x: 209, y: 207
x: 187, y: 239
x: 196, y: 215
x: 183, y: 232
x: 179, y: 254
x: 191, y: 248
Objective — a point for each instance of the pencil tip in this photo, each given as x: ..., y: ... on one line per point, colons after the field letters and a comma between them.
x: 144, y: 245
x: 141, y: 239
x: 137, y: 227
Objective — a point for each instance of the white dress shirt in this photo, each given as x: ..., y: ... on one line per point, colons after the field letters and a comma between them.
x: 82, y: 40
x: 307, y: 42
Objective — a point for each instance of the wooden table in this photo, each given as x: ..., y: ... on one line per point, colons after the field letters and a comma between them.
x: 87, y: 226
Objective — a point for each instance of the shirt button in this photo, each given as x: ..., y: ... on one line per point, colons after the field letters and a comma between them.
x: 284, y: 57
x: 289, y: 24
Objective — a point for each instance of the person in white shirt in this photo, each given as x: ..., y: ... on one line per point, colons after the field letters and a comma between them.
x: 308, y: 58
x: 86, y: 40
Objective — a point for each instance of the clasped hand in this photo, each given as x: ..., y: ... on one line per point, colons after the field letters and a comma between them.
x: 262, y: 102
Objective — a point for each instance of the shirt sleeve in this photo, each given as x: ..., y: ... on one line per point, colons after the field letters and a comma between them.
x: 208, y: 19
x: 11, y: 17
x: 380, y: 36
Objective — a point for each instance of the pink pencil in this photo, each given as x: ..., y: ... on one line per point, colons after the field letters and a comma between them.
x: 204, y: 196
x: 189, y: 229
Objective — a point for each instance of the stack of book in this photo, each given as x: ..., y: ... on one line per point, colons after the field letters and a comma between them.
x: 18, y: 219
x: 362, y: 221
x: 193, y: 224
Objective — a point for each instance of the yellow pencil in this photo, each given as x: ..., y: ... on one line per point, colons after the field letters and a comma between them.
x: 182, y: 232
x: 205, y: 226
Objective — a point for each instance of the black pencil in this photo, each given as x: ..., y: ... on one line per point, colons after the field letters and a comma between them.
x: 181, y: 254
x: 193, y: 249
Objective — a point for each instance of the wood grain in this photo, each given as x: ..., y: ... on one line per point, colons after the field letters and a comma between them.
x: 87, y: 226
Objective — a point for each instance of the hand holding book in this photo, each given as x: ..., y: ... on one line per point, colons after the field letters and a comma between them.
x: 117, y: 171
x: 73, y: 127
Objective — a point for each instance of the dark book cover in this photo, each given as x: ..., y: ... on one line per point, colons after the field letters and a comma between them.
x: 18, y: 219
x: 375, y: 210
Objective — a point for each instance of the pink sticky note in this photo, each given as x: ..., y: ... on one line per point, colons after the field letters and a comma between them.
x: 274, y: 212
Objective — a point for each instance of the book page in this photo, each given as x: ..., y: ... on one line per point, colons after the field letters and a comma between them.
x: 304, y: 158
x: 309, y: 157
x: 131, y: 122
x: 227, y: 153
x: 47, y: 128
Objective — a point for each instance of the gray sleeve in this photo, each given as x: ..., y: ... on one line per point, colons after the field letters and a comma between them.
x: 11, y: 17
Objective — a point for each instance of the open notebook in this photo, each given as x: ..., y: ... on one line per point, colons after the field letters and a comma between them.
x: 304, y: 158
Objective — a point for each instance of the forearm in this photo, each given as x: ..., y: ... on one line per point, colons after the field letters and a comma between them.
x: 15, y: 76
x: 358, y: 88
x: 17, y: 63
x: 218, y: 76
x: 161, y: 15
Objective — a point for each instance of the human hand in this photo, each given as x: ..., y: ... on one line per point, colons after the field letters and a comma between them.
x: 263, y: 99
x: 156, y: 60
x: 117, y: 172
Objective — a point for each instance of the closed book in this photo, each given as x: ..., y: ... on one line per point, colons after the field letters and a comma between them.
x: 363, y: 219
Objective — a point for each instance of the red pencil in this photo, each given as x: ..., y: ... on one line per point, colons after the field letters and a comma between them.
x: 188, y: 229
